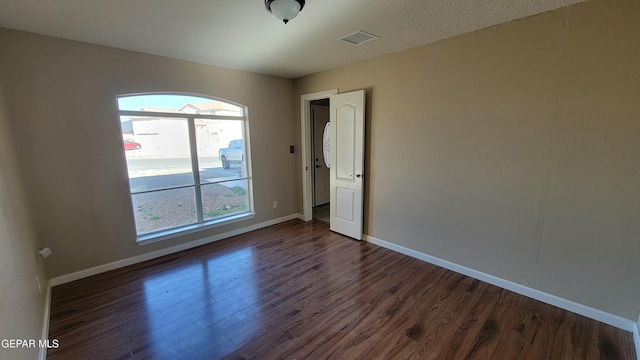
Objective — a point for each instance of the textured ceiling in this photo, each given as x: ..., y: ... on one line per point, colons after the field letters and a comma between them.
x: 241, y: 34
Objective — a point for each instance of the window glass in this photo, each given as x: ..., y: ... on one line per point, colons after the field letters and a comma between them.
x: 221, y: 151
x: 186, y: 158
x: 168, y: 103
x: 160, y: 155
x: 225, y: 198
x: 164, y: 209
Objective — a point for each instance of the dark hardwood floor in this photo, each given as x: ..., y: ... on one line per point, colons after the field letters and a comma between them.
x: 298, y: 291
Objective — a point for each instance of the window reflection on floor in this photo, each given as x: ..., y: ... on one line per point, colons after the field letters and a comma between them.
x: 190, y: 309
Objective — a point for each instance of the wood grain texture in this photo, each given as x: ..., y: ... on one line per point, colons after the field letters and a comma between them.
x: 299, y: 291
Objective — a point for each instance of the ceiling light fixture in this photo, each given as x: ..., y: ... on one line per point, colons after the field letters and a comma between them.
x: 284, y: 10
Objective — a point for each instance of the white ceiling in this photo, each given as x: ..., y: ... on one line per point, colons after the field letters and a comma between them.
x: 241, y: 34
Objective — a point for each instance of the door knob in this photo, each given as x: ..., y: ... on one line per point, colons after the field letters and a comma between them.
x: 358, y: 175
x: 317, y: 166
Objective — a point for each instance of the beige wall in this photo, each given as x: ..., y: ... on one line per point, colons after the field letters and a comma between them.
x: 21, y: 306
x: 61, y: 97
x: 512, y: 150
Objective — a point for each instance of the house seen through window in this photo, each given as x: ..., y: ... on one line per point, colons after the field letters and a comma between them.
x: 187, y: 160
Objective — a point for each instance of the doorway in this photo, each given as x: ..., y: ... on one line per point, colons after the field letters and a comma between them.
x: 319, y: 120
x: 308, y: 153
x: 346, y: 160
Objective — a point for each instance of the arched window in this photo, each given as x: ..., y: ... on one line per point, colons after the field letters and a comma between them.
x: 188, y: 162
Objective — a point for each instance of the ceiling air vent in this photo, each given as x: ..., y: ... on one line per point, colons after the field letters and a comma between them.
x: 358, y: 38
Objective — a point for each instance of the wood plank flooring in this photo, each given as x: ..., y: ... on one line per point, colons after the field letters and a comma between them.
x: 298, y: 291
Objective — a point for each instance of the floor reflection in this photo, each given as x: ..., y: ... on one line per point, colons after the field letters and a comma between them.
x: 191, y: 309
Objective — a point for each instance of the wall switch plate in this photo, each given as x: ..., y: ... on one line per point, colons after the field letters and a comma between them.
x: 292, y: 149
x: 275, y: 204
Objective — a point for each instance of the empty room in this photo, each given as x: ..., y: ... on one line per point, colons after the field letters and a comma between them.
x: 289, y: 179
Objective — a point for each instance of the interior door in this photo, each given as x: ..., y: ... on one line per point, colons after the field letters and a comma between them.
x: 347, y: 163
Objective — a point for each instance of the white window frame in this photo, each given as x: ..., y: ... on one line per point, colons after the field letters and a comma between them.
x: 201, y: 223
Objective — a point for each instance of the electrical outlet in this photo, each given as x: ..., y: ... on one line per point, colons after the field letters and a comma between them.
x: 275, y: 204
x: 38, y: 284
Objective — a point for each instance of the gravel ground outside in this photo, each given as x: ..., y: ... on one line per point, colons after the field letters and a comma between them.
x: 223, y: 192
x: 170, y: 208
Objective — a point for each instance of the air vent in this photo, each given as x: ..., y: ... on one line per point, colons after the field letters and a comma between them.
x: 359, y: 37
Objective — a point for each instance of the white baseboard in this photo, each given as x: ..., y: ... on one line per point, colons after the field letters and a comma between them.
x: 277, y: 221
x: 45, y: 321
x: 595, y: 314
x: 636, y: 338
x: 162, y: 252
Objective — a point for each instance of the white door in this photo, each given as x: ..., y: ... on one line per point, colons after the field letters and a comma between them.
x: 319, y: 118
x: 347, y: 163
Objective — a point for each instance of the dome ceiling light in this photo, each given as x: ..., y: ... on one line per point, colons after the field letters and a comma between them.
x: 284, y: 10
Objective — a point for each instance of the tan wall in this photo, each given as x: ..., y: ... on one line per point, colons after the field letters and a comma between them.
x: 21, y: 306
x: 61, y: 96
x: 512, y: 150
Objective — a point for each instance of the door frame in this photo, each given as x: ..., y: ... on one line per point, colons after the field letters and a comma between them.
x: 305, y: 127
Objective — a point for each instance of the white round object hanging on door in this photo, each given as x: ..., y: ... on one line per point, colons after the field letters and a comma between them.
x: 326, y: 138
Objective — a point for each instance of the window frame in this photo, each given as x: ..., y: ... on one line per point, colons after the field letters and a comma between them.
x: 201, y: 223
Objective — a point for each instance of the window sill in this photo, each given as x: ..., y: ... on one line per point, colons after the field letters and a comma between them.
x: 189, y: 229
